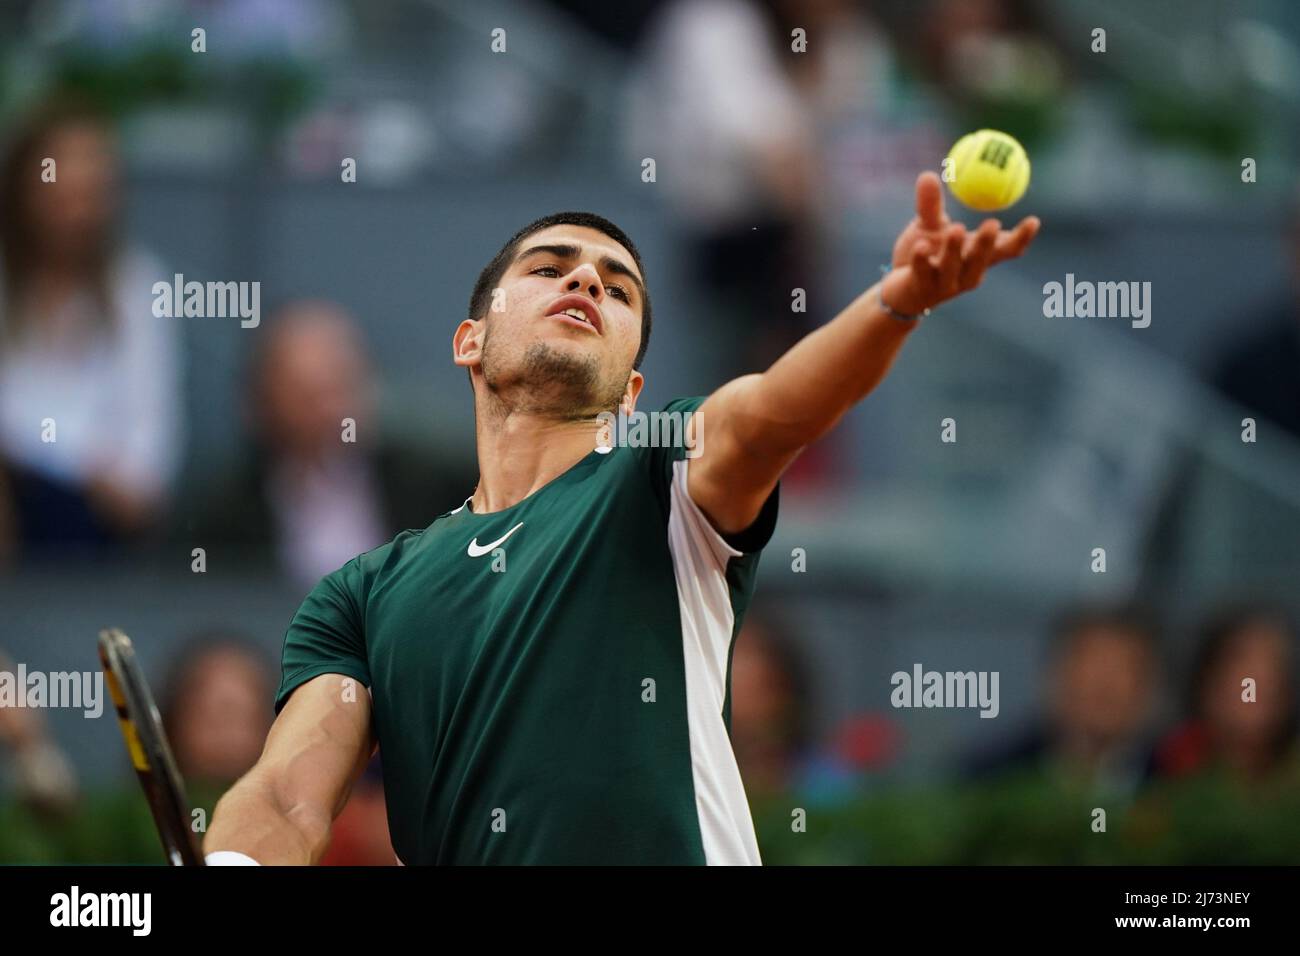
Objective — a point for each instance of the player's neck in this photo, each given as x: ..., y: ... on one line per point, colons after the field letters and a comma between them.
x: 520, y: 452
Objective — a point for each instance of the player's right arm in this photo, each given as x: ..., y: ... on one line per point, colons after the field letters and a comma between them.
x: 280, y: 812
x: 758, y: 424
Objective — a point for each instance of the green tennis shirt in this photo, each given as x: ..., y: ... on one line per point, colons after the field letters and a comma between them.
x: 550, y: 682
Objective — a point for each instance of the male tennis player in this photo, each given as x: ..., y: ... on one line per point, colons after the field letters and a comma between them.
x: 545, y: 669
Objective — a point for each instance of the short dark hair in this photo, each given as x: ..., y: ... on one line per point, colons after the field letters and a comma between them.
x: 491, y: 275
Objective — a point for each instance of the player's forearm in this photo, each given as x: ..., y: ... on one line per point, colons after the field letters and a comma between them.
x: 809, y: 389
x: 255, y: 820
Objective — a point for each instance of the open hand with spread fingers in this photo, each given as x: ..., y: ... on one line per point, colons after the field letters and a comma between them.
x: 936, y: 259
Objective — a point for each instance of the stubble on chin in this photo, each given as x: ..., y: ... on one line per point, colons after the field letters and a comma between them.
x: 552, y: 381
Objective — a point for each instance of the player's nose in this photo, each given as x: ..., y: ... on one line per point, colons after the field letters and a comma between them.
x: 585, y: 279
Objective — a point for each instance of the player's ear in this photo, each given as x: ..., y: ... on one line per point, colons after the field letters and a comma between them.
x: 634, y: 383
x: 467, y: 343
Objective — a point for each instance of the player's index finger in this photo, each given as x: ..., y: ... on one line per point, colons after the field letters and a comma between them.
x: 929, y: 200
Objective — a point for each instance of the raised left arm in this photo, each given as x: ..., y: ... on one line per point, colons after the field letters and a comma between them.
x: 756, y: 425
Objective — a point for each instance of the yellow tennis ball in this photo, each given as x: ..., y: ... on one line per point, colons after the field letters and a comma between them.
x: 987, y: 170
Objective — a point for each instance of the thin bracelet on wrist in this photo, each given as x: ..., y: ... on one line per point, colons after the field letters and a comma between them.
x: 880, y: 297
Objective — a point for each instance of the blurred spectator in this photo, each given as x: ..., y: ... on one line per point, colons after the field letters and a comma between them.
x: 737, y: 122
x: 1102, y: 688
x: 215, y: 703
x: 1263, y: 372
x: 995, y: 56
x: 216, y: 709
x: 771, y: 721
x: 731, y: 115
x: 770, y: 729
x: 89, y: 425
x: 44, y: 780
x: 359, y: 836
x: 1252, y: 739
x: 317, y: 492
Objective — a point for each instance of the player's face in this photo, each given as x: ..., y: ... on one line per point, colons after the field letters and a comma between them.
x: 565, y: 323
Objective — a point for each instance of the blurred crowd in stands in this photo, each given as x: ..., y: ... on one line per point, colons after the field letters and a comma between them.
x: 82, y: 353
x: 1115, y: 730
x: 85, y: 354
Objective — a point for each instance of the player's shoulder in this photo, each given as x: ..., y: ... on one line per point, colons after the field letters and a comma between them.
x: 360, y: 573
x: 650, y: 443
x: 672, y: 429
x: 688, y: 403
x: 400, y: 545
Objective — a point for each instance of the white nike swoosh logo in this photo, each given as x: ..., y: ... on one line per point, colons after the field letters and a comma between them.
x: 477, y: 550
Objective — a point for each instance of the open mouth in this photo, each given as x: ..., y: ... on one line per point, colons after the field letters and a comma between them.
x: 577, y: 309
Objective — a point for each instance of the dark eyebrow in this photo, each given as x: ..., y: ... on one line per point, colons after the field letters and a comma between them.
x: 569, y: 252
